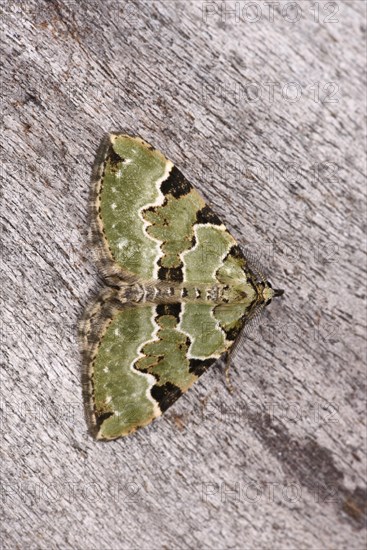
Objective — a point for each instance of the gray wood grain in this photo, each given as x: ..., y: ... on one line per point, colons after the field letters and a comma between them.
x: 281, y: 462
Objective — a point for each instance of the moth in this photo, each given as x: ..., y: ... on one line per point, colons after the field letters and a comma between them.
x: 178, y: 288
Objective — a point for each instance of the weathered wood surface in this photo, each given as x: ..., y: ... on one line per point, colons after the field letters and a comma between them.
x: 280, y: 463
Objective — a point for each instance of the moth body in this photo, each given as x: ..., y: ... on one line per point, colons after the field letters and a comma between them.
x: 179, y: 288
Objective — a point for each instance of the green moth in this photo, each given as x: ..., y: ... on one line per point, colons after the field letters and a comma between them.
x: 179, y: 289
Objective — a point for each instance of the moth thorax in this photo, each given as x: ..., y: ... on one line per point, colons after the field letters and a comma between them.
x: 131, y: 292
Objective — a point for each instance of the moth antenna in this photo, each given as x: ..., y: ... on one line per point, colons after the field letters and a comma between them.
x: 251, y: 323
x: 255, y: 265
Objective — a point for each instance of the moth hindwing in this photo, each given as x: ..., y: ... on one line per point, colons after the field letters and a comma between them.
x: 179, y: 289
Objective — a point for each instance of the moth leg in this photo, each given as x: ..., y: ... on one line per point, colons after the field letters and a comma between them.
x: 228, y: 378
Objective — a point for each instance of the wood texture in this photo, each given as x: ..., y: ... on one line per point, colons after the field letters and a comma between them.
x: 281, y: 462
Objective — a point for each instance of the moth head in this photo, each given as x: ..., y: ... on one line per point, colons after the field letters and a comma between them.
x: 268, y: 292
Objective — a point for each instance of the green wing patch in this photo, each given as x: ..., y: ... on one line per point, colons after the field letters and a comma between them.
x: 179, y: 288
